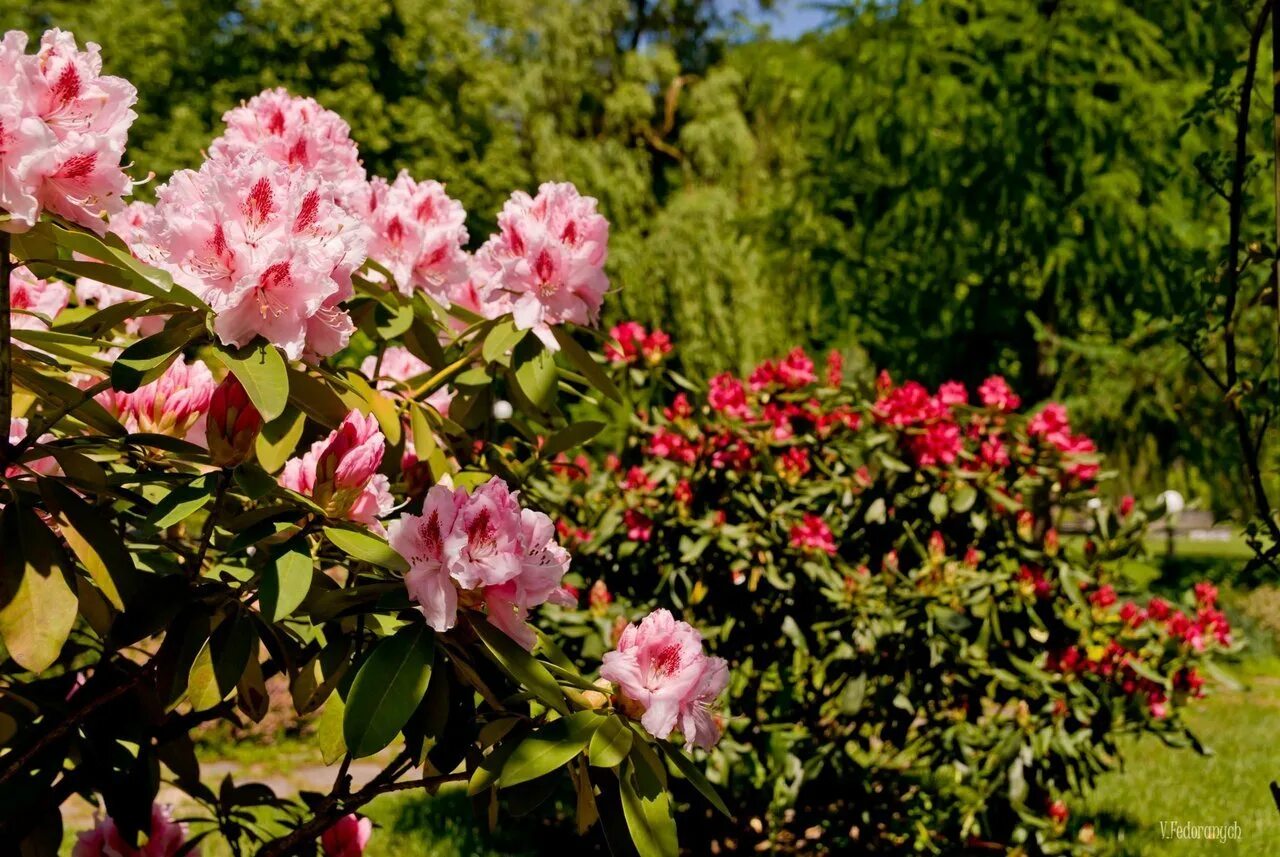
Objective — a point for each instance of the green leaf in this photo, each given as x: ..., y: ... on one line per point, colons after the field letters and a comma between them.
x: 261, y: 369
x: 279, y: 438
x: 520, y: 665
x: 649, y: 818
x: 286, y: 580
x: 94, y: 541
x: 395, y: 320
x: 549, y: 748
x: 221, y: 662
x: 182, y: 502
x: 535, y: 372
x: 585, y: 363
x: 610, y: 743
x: 696, y: 779
x: 83, y: 408
x: 316, y: 398
x: 378, y: 404
x: 387, y: 689
x: 329, y: 730
x: 500, y: 340
x: 147, y: 359
x: 38, y: 605
x: 570, y: 436
x: 366, y: 547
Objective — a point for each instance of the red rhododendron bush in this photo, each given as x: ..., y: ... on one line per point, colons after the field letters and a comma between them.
x: 914, y: 590
x: 274, y: 428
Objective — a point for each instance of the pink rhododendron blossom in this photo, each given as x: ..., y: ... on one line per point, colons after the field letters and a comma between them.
x: 266, y: 248
x: 348, y: 836
x: 165, y: 838
x: 299, y: 134
x: 398, y: 366
x: 30, y: 298
x: 727, y: 395
x: 546, y: 263
x: 1050, y: 423
x: 418, y: 233
x: 996, y: 394
x: 174, y: 404
x: 813, y: 534
x: 835, y: 368
x: 663, y: 676
x: 486, y: 548
x: 953, y: 393
x: 339, y: 472
x: 63, y: 127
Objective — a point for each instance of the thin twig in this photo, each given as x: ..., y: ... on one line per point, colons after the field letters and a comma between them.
x: 206, y: 536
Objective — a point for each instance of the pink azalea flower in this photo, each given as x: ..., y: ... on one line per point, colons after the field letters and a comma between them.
x: 1050, y: 423
x: 546, y: 264
x: 418, y: 234
x: 31, y: 295
x: 174, y: 404
x: 727, y: 395
x: 63, y: 127
x: 165, y: 838
x: 348, y: 836
x: 953, y: 393
x: 266, y: 248
x: 483, y: 544
x: 399, y: 365
x: 339, y: 472
x: 624, y: 342
x: 663, y: 676
x: 299, y: 134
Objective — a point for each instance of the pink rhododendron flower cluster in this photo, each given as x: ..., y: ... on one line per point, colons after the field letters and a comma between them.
x: 266, y: 248
x: 812, y: 534
x: 480, y: 549
x: 174, y: 404
x: 418, y: 233
x: 347, y: 837
x: 63, y: 127
x: 165, y: 839
x: 1053, y: 425
x: 664, y: 678
x: 630, y: 341
x: 546, y: 263
x: 30, y: 298
x: 340, y: 472
x: 298, y: 134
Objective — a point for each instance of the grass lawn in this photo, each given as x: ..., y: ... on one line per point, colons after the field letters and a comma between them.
x: 1242, y: 728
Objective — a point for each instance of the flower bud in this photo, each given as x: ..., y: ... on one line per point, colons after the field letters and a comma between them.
x: 233, y: 423
x: 348, y: 836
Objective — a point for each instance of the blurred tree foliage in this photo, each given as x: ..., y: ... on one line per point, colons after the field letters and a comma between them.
x: 943, y: 187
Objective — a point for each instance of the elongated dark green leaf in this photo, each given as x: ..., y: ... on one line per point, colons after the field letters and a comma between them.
x: 366, y: 547
x: 181, y: 503
x: 548, y: 748
x: 37, y: 603
x: 649, y: 818
x: 279, y: 438
x: 500, y: 340
x: 147, y: 359
x: 694, y: 775
x: 316, y: 399
x: 585, y: 363
x: 261, y: 369
x: 329, y: 730
x: 535, y: 372
x: 571, y: 436
x: 610, y: 743
x: 522, y: 666
x: 83, y: 408
x: 95, y: 542
x: 286, y: 580
x: 221, y: 662
x: 387, y: 689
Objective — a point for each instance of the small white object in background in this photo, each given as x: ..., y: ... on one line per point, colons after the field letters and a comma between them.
x: 502, y: 410
x: 1173, y: 502
x: 1094, y: 503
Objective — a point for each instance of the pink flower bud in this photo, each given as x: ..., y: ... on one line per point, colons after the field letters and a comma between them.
x: 347, y: 837
x: 165, y: 838
x: 233, y: 423
x: 340, y: 474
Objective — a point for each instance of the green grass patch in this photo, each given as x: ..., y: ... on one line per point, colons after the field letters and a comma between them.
x: 1231, y: 785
